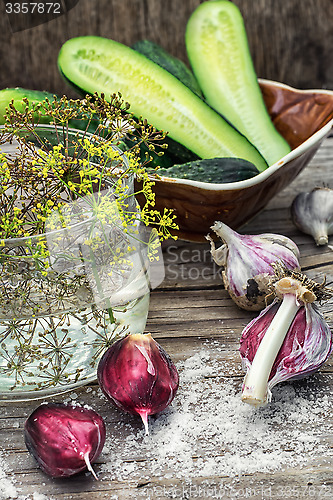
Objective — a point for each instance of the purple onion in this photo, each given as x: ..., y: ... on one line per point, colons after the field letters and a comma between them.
x: 64, y: 439
x: 138, y: 376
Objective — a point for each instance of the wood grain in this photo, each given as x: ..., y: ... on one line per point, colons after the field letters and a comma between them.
x: 184, y: 315
x: 289, y: 43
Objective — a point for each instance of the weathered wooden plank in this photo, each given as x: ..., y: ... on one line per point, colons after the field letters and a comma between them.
x: 281, y: 36
x: 188, y: 316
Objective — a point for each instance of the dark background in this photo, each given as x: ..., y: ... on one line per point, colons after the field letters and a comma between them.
x: 290, y: 40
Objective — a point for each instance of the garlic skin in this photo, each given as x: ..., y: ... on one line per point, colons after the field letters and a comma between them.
x: 312, y: 213
x: 247, y: 261
x: 288, y: 340
x: 138, y: 376
x: 64, y: 439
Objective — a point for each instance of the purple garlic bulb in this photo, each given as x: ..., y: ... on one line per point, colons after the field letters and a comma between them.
x: 288, y: 340
x: 138, y: 376
x: 64, y: 439
x: 247, y: 263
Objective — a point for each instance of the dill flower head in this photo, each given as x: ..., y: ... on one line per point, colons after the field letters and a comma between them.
x: 78, y: 155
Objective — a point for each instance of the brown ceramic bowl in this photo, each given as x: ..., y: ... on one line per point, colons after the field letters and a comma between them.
x: 303, y: 117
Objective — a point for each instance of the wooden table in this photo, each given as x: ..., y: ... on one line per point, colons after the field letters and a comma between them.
x: 193, y: 318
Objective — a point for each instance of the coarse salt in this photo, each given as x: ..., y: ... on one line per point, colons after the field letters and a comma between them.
x: 209, y: 431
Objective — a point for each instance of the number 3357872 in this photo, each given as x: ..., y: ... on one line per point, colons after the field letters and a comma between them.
x: 33, y: 8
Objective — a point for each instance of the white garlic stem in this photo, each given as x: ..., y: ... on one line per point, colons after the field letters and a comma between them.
x: 255, y: 391
x: 320, y: 233
x: 255, y: 386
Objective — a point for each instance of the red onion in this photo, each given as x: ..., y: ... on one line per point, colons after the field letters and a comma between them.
x: 138, y: 376
x: 64, y: 439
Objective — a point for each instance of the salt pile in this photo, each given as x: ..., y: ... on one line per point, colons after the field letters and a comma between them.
x: 208, y: 431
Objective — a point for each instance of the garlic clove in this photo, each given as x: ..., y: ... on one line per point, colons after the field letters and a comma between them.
x: 64, y: 439
x: 312, y: 213
x: 247, y: 261
x: 288, y: 340
x: 138, y: 376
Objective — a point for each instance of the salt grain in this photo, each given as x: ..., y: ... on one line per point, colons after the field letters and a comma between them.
x: 208, y: 431
x: 7, y: 487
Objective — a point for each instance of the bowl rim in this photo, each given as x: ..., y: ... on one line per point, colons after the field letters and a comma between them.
x: 315, y: 138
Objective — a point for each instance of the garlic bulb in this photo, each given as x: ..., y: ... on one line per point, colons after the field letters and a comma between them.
x: 312, y: 213
x: 289, y: 339
x: 247, y: 261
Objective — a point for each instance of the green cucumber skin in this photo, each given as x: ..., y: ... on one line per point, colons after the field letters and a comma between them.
x: 34, y: 97
x: 98, y: 64
x: 218, y: 51
x: 172, y: 64
x: 176, y: 152
x: 214, y: 170
x: 17, y: 94
x: 164, y: 161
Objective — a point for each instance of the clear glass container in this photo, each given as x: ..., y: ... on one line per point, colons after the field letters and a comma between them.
x: 66, y: 296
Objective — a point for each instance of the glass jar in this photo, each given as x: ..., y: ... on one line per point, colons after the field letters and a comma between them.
x: 68, y: 294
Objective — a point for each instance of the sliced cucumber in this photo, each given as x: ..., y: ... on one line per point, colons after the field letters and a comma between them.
x: 216, y: 170
x: 219, y: 54
x: 164, y: 161
x: 176, y: 152
x: 172, y: 64
x: 97, y: 64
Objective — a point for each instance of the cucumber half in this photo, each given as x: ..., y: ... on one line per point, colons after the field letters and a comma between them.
x: 97, y: 64
x: 172, y: 64
x: 217, y: 48
x: 17, y: 95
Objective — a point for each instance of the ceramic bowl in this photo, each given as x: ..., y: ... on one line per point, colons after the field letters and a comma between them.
x: 303, y: 117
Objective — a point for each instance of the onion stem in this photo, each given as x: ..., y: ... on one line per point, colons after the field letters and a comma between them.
x: 255, y: 387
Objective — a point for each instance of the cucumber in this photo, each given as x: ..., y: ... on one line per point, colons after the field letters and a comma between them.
x: 163, y: 161
x: 178, y: 152
x: 17, y: 94
x: 214, y: 170
x: 98, y: 64
x: 172, y: 64
x: 218, y: 51
x: 34, y: 97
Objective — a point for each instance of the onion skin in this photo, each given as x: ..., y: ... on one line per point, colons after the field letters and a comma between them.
x: 138, y: 376
x: 64, y: 439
